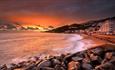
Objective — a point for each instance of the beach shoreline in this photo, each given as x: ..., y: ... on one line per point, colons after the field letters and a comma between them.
x: 69, y: 61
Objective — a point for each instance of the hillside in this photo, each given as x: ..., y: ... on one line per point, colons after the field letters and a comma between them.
x: 90, y: 25
x: 7, y: 25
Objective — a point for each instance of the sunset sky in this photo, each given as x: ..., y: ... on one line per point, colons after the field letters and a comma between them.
x: 55, y: 12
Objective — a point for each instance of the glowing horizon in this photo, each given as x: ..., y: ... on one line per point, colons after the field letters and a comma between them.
x: 40, y: 20
x: 55, y: 12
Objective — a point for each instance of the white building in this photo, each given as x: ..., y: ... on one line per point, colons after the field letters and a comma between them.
x: 105, y: 27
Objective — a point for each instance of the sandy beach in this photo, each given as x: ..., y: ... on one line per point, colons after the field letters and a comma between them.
x: 20, y: 45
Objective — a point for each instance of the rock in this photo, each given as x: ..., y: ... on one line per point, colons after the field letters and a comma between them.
x: 55, y: 62
x: 97, y: 51
x: 87, y: 66
x: 62, y: 56
x: 80, y: 54
x: 86, y: 60
x: 66, y: 59
x: 49, y: 57
x: 35, y: 58
x: 106, y: 66
x: 46, y: 68
x: 3, y: 67
x: 77, y: 58
x: 87, y: 57
x: 93, y: 57
x: 113, y: 53
x: 38, y: 62
x: 98, y: 68
x: 31, y: 67
x: 12, y: 66
x: 45, y: 63
x: 109, y: 49
x: 22, y: 64
x: 19, y: 69
x: 59, y: 67
x: 59, y: 58
x: 73, y: 65
x: 95, y: 60
x: 108, y: 55
x: 112, y: 60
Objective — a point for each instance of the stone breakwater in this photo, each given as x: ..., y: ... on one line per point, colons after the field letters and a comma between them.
x: 100, y: 58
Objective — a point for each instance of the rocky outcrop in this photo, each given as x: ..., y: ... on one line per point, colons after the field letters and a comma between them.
x: 100, y: 58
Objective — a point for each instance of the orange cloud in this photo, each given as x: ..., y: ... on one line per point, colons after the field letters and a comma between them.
x: 40, y: 19
x: 36, y: 20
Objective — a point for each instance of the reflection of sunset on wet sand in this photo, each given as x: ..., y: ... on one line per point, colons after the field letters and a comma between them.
x: 23, y: 44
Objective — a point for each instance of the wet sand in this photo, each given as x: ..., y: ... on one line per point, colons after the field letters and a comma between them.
x: 18, y: 46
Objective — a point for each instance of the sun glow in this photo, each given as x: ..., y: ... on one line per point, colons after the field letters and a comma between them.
x: 36, y: 27
x: 36, y: 20
x: 40, y: 19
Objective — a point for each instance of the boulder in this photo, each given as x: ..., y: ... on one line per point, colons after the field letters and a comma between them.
x: 3, y: 67
x: 77, y: 58
x: 73, y: 65
x: 45, y: 63
x: 46, y: 68
x: 106, y: 66
x: 87, y: 66
x: 59, y: 67
x: 31, y: 67
x: 55, y: 62
x: 108, y: 55
x: 95, y: 60
x: 97, y: 51
x: 109, y: 49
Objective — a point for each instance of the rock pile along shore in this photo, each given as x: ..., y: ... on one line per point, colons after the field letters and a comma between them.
x: 100, y: 58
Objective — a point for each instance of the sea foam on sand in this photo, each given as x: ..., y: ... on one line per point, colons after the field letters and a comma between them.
x: 74, y: 43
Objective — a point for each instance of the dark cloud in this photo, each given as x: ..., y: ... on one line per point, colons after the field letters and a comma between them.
x: 75, y: 9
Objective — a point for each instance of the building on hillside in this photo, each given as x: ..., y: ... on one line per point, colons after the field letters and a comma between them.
x: 112, y: 25
x: 107, y: 27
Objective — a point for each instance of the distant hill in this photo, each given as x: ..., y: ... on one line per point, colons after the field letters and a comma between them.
x: 90, y: 25
x: 4, y: 25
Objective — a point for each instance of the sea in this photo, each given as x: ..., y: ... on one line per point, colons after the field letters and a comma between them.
x: 17, y: 46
